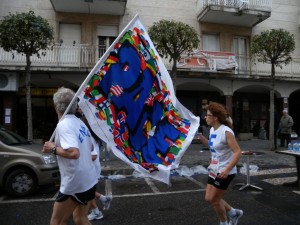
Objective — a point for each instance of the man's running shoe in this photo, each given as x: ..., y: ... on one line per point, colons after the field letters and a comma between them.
x: 95, y: 216
x: 235, y: 219
x: 106, y: 202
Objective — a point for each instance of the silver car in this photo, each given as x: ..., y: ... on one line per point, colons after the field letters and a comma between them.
x: 23, y: 166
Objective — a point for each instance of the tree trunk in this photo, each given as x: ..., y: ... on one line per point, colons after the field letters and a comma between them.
x: 28, y: 99
x: 271, y: 121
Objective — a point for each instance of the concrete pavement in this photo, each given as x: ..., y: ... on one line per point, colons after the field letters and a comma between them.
x: 182, y: 203
x: 195, y: 155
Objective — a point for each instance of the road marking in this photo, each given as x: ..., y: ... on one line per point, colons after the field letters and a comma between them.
x: 160, y: 193
x: 108, y: 189
x: 196, y: 182
x: 297, y: 192
x: 27, y: 200
x: 115, y: 196
x: 152, y: 185
x: 272, y: 171
x: 280, y: 180
x: 55, y: 196
x: 108, y: 186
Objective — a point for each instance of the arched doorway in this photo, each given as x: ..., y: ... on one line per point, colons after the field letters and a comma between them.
x: 251, y: 106
x: 294, y: 110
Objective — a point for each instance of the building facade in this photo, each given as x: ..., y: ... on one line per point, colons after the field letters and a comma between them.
x: 220, y: 70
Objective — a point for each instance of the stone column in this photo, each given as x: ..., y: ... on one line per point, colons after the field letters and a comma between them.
x: 285, y: 103
x: 229, y: 104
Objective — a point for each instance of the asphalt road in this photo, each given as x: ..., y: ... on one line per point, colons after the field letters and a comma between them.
x: 140, y: 201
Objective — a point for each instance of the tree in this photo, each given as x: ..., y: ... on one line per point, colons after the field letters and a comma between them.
x: 26, y: 34
x: 171, y: 39
x: 274, y: 47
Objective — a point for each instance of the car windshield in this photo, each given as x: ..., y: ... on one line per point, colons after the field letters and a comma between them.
x: 10, y: 138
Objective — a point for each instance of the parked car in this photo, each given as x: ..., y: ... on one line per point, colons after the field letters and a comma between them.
x: 23, y: 166
x: 294, y: 135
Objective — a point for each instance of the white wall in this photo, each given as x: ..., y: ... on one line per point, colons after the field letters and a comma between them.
x: 151, y: 11
x: 285, y: 15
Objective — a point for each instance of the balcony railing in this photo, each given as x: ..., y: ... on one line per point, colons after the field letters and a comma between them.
x: 244, y: 13
x: 55, y: 56
x: 261, y: 5
x: 82, y: 56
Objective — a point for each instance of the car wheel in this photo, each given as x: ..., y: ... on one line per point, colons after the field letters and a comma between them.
x: 21, y: 182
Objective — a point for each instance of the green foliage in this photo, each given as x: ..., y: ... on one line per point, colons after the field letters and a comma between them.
x: 25, y: 33
x: 273, y: 46
x: 172, y: 38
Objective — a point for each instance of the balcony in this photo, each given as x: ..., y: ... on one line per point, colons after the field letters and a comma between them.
x: 56, y: 57
x: 106, y: 7
x: 245, y: 13
x: 200, y: 63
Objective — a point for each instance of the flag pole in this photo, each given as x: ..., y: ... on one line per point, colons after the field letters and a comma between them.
x: 104, y: 56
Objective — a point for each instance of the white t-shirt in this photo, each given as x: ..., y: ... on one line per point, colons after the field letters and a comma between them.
x: 219, y: 149
x: 96, y: 149
x: 77, y: 175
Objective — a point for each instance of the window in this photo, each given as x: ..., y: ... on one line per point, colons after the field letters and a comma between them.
x: 69, y: 34
x: 240, y: 48
x: 106, y: 36
x: 104, y: 43
x: 210, y: 42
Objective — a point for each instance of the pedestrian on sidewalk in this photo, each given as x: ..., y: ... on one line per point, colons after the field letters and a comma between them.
x: 72, y: 147
x: 225, y: 154
x: 285, y: 124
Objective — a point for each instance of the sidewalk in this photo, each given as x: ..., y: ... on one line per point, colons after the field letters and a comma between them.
x: 194, y: 156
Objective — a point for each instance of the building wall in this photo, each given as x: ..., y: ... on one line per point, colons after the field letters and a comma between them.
x: 285, y: 14
x: 151, y: 11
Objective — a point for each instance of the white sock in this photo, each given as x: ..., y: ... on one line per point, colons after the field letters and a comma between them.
x: 224, y: 223
x: 102, y: 198
x: 231, y: 212
x: 96, y: 210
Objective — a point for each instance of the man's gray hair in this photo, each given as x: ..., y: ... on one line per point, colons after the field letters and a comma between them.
x: 62, y: 98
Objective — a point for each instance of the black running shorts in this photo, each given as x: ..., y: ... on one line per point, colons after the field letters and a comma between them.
x: 82, y: 198
x: 221, y: 183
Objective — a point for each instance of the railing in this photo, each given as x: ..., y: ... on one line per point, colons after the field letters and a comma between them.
x: 255, y: 68
x: 55, y: 56
x: 263, y: 5
x: 87, y: 56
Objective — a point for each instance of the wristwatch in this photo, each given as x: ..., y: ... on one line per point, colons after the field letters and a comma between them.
x: 53, y: 150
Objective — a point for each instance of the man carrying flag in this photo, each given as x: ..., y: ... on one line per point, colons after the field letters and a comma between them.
x: 73, y: 147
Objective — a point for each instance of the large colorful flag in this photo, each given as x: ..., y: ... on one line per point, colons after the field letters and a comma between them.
x: 129, y: 101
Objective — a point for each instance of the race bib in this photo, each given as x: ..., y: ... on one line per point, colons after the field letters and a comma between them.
x: 213, y: 168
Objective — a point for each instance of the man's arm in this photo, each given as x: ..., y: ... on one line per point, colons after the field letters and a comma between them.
x: 70, y: 153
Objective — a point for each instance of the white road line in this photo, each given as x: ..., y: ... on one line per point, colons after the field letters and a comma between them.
x: 200, y: 184
x: 297, y: 192
x: 55, y: 196
x: 160, y: 193
x: 115, y: 196
x: 280, y: 180
x: 272, y: 171
x: 152, y: 185
x: 108, y: 186
x: 108, y: 189
x: 27, y: 200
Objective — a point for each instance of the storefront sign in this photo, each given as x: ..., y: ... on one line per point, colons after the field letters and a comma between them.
x: 38, y: 91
